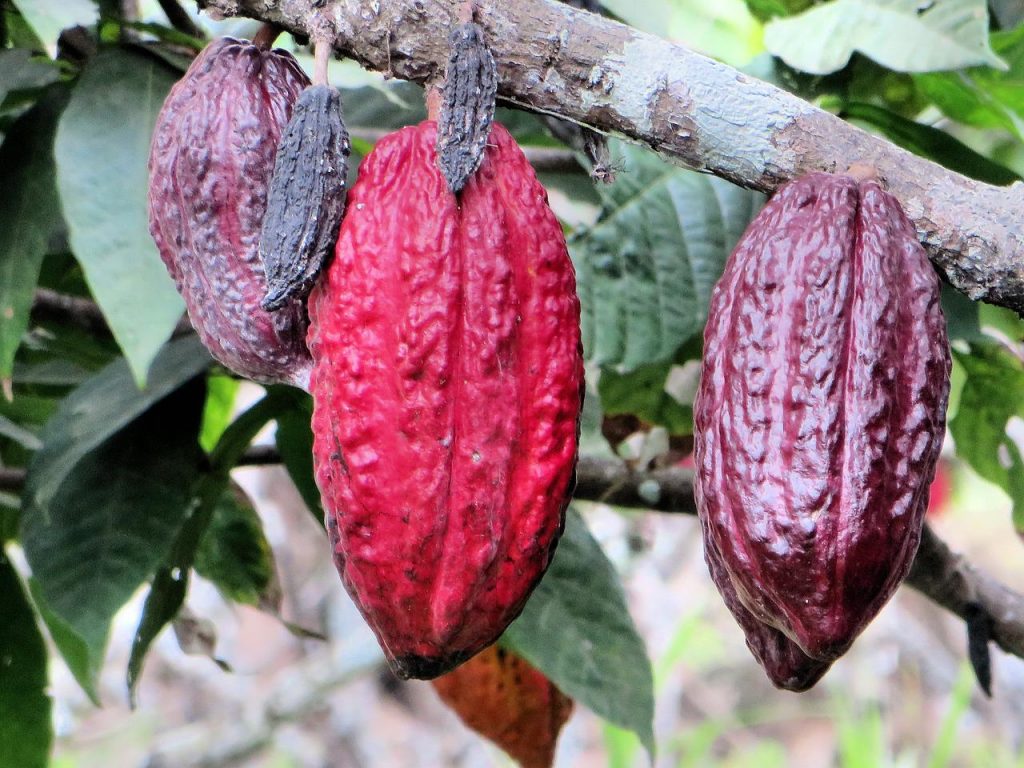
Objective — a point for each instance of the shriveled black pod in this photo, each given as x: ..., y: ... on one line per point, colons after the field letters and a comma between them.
x: 306, y: 200
x: 467, y: 108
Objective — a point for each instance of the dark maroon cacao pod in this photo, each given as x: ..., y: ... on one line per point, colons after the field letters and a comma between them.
x: 821, y: 409
x: 210, y: 165
x: 785, y: 664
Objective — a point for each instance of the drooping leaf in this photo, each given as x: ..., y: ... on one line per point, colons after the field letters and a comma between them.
x: 235, y: 555
x: 26, y: 722
x: 30, y: 216
x: 992, y: 394
x: 931, y: 143
x: 105, y: 495
x: 49, y: 17
x: 220, y: 403
x: 577, y: 630
x: 102, y: 152
x: 645, y: 270
x: 903, y: 35
x: 170, y: 584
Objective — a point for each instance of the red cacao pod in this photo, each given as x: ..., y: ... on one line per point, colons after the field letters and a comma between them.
x: 210, y: 164
x: 446, y: 383
x: 504, y: 699
x: 821, y: 409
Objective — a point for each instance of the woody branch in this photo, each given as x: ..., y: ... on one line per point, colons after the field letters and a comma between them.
x: 688, y: 108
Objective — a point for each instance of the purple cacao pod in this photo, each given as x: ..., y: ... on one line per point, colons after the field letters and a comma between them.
x: 210, y: 165
x: 821, y: 409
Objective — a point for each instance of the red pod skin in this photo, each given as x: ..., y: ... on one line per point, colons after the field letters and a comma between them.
x: 210, y: 165
x: 446, y: 383
x: 821, y: 409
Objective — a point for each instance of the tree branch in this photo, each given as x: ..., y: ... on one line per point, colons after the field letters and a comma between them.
x: 555, y: 59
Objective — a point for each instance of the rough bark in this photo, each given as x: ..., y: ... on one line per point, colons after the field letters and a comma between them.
x: 555, y: 59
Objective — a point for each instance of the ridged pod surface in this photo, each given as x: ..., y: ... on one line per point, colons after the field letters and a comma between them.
x: 446, y: 382
x: 504, y: 699
x: 210, y: 166
x: 821, y: 409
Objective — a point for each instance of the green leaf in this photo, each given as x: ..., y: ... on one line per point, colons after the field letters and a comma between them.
x: 220, y: 405
x: 22, y: 73
x: 48, y: 18
x: 29, y: 216
x: 982, y: 96
x: 931, y: 143
x: 235, y: 555
x: 642, y: 393
x: 101, y: 407
x: 992, y: 394
x: 105, y: 495
x: 962, y: 315
x: 577, y: 630
x: 170, y: 583
x: 903, y: 35
x: 295, y: 444
x: 26, y: 720
x: 645, y: 270
x: 102, y: 153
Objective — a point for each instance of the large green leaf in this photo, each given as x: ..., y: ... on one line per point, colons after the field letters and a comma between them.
x: 110, y: 522
x: 26, y: 723
x: 102, y: 152
x: 982, y: 96
x: 642, y: 393
x: 577, y: 630
x: 49, y: 17
x: 992, y: 394
x: 645, y: 270
x: 903, y: 35
x: 29, y: 216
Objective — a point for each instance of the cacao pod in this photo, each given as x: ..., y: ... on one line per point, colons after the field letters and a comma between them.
x: 307, y: 196
x: 821, y: 409
x: 504, y: 699
x: 210, y: 164
x: 447, y: 385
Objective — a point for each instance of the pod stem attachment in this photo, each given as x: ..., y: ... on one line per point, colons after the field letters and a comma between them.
x: 322, y: 50
x: 265, y: 37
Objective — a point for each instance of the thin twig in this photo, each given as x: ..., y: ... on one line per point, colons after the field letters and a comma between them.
x: 179, y: 18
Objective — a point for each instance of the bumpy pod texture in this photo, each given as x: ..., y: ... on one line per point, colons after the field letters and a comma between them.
x: 307, y: 196
x: 446, y: 382
x: 209, y: 168
x: 504, y: 699
x: 821, y: 410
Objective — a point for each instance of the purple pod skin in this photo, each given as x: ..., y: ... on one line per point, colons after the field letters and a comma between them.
x: 821, y: 409
x: 210, y: 165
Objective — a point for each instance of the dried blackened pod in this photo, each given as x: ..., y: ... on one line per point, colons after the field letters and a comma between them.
x: 210, y: 164
x: 821, y: 409
x: 446, y: 384
x: 504, y: 699
x: 785, y: 664
x: 307, y: 196
x: 467, y: 108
